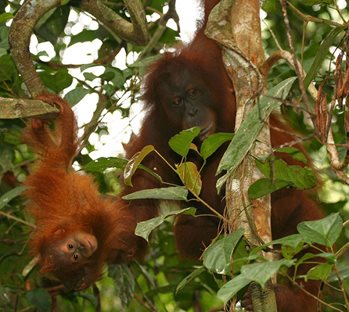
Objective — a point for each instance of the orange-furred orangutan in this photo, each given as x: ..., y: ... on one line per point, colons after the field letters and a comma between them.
x: 77, y: 230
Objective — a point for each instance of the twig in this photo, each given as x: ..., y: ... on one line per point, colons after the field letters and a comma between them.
x: 309, y: 18
x: 11, y: 217
x: 293, y: 52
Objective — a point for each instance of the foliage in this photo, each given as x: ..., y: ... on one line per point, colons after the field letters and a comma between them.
x: 164, y: 282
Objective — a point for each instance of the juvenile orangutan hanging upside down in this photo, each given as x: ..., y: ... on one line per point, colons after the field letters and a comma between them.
x: 77, y: 230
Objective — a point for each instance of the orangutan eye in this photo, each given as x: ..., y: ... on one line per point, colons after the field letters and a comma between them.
x: 70, y: 246
x: 192, y: 92
x: 76, y: 257
x: 177, y: 101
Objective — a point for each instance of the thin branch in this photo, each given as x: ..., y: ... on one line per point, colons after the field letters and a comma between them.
x: 309, y: 18
x: 30, y: 13
x: 135, y: 31
x: 293, y: 52
x: 11, y: 217
x: 171, y: 13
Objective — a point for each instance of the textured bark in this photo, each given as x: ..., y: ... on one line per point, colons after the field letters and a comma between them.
x: 235, y: 24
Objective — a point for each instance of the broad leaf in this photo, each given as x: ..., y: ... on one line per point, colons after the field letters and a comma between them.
x: 170, y: 193
x: 293, y: 175
x: 264, y: 187
x: 189, y: 278
x: 56, y: 81
x: 261, y: 272
x: 103, y: 163
x: 144, y: 228
x: 76, y: 95
x: 217, y: 256
x: 325, y: 231
x: 295, y: 153
x: 134, y: 163
x: 320, y: 272
x: 213, y: 142
x: 293, y: 240
x: 190, y: 176
x: 230, y: 289
x: 181, y: 142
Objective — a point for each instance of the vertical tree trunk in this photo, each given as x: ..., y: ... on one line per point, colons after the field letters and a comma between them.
x: 236, y: 25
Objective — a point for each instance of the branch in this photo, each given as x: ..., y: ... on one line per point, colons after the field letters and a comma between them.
x: 171, y: 13
x: 135, y: 32
x: 31, y: 12
x: 19, y: 38
x: 23, y: 108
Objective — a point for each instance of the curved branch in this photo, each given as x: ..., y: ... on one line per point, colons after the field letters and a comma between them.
x: 19, y: 38
x: 30, y: 13
x: 135, y: 32
x: 287, y: 56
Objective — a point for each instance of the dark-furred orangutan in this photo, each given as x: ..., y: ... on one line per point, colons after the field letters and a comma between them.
x: 77, y: 230
x: 191, y: 88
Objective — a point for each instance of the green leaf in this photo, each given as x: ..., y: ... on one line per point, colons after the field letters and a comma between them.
x: 7, y: 197
x: 7, y: 68
x: 295, y: 176
x: 330, y: 257
x: 190, y: 176
x: 40, y: 299
x: 261, y: 272
x: 324, y: 231
x: 264, y: 187
x: 231, y: 288
x: 101, y: 164
x: 181, y: 142
x: 320, y: 272
x: 170, y: 193
x: 217, y: 256
x: 250, y: 128
x: 90, y: 76
x: 56, y: 81
x: 270, y: 6
x: 83, y: 36
x: 295, y: 153
x: 124, y: 278
x: 115, y: 76
x: 293, y: 241
x: 144, y: 228
x: 4, y: 17
x: 321, y: 54
x: 189, y: 278
x: 299, y: 177
x: 76, y: 95
x: 135, y: 162
x: 52, y: 25
x: 213, y: 142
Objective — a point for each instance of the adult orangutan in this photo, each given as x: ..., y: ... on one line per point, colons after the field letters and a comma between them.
x: 188, y: 88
